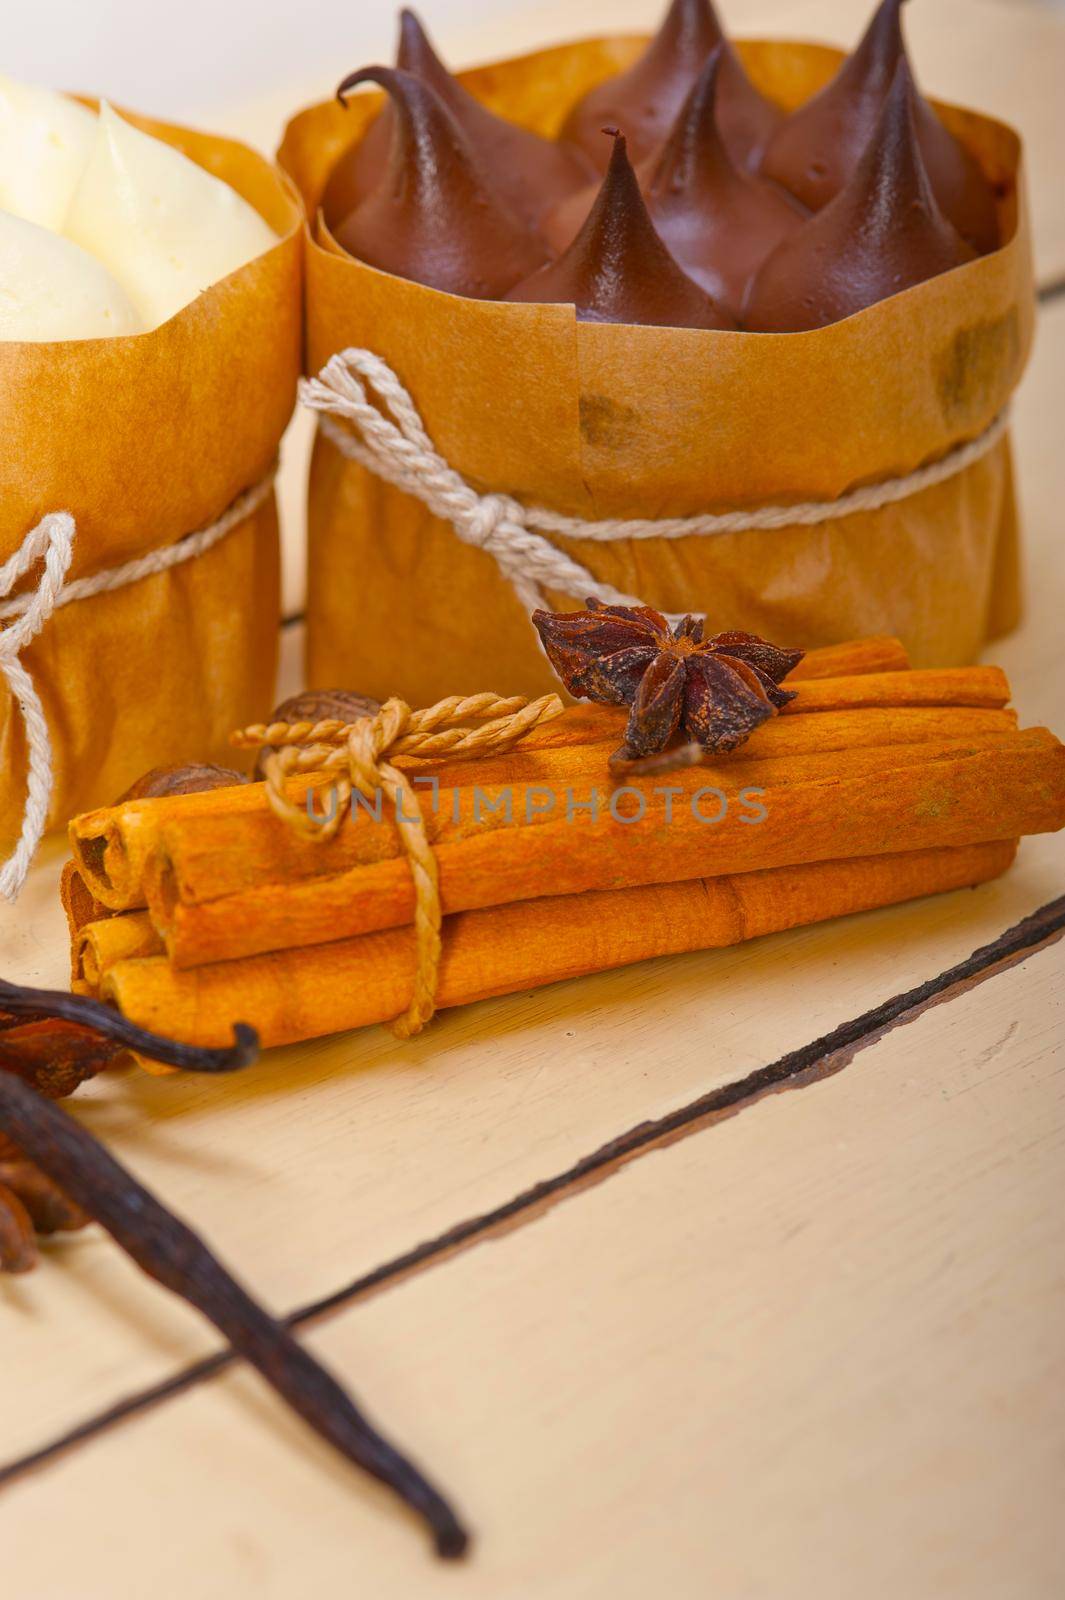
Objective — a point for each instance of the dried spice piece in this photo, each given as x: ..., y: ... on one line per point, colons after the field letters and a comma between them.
x: 53, y: 1043
x: 168, y: 1251
x: 30, y: 1204
x: 319, y: 705
x: 532, y: 173
x: 18, y: 1242
x: 819, y: 147
x: 54, y: 1176
x: 18, y: 1246
x: 195, y: 778
x: 56, y: 1057
x: 884, y: 232
x: 79, y: 903
x: 83, y: 908
x: 102, y: 1030
x: 713, y: 691
x: 598, y: 921
x: 49, y: 1208
x: 617, y: 269
x: 437, y: 216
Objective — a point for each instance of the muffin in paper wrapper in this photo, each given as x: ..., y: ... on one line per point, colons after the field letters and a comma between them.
x: 145, y: 441
x: 598, y: 421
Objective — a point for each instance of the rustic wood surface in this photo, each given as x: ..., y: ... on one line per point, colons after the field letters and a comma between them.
x: 812, y: 1349
x: 815, y: 1349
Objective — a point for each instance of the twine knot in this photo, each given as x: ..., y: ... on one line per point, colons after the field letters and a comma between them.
x: 485, y: 516
x: 369, y: 741
x: 359, y: 754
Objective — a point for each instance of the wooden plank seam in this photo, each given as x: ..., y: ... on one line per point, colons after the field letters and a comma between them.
x: 812, y: 1062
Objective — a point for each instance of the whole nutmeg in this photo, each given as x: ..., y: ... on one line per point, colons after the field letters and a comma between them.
x: 191, y: 778
x: 320, y: 705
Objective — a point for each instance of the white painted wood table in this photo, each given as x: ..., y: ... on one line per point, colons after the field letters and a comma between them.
x: 811, y: 1347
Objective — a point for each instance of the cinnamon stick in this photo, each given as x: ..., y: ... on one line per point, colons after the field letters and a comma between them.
x: 111, y: 844
x: 118, y: 937
x: 856, y: 656
x: 809, y: 804
x: 586, y: 723
x: 816, y: 690
x: 79, y: 903
x: 302, y: 994
x: 82, y: 908
x: 938, y: 686
x: 829, y: 730
x: 215, y: 856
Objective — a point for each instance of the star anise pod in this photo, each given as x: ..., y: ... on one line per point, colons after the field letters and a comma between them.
x: 714, y: 692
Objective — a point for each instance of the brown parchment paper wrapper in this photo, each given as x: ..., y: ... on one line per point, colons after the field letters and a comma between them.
x: 145, y: 440
x: 601, y: 421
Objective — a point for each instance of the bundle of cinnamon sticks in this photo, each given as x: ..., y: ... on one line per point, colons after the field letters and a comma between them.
x: 875, y: 785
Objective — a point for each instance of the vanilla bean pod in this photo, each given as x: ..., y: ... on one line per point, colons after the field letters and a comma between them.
x: 54, y: 1004
x: 168, y: 1251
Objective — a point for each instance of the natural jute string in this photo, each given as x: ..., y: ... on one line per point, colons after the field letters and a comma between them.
x: 360, y: 753
x: 51, y: 543
x: 389, y: 439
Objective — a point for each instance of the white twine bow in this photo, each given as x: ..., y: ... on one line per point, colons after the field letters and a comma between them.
x: 51, y: 543
x: 390, y: 441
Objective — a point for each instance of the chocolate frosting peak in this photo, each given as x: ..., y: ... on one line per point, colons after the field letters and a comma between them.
x: 884, y: 232
x: 532, y: 174
x: 435, y: 215
x: 747, y: 120
x: 693, y: 161
x: 718, y: 222
x: 617, y: 269
x: 818, y: 148
x: 647, y: 99
x: 870, y: 68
